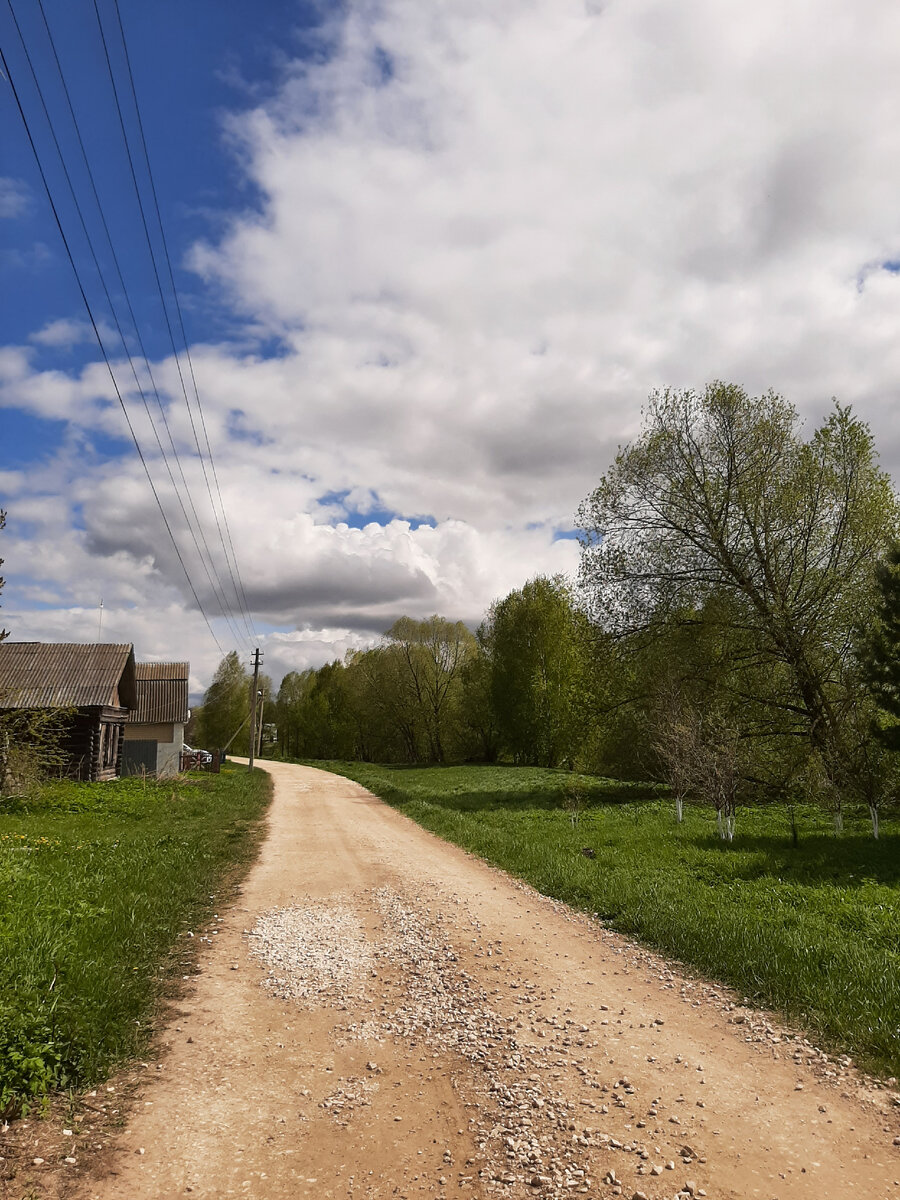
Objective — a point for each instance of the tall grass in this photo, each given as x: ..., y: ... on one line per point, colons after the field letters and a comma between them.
x: 97, y: 881
x: 812, y: 930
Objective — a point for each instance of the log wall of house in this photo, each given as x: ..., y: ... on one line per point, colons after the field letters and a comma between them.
x: 85, y: 744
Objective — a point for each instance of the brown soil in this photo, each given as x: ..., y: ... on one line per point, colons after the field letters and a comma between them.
x: 521, y: 1050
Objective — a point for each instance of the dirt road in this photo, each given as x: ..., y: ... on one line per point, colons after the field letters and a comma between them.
x: 381, y: 1015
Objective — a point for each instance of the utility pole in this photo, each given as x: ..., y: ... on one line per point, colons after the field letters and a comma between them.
x: 253, y: 710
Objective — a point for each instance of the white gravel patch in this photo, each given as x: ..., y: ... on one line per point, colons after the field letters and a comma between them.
x: 314, y: 951
x: 529, y: 1133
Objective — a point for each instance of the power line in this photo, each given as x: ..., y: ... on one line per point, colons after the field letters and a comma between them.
x: 187, y: 349
x: 218, y: 592
x: 112, y: 307
x: 153, y: 261
x: 240, y: 595
x: 96, y: 330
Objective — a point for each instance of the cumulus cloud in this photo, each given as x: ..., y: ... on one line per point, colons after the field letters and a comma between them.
x: 15, y: 198
x: 65, y: 332
x: 483, y: 235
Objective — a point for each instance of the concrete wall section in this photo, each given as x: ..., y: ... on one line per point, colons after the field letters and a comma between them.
x: 168, y: 754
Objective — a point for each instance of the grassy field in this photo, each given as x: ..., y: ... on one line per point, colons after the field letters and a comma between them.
x: 813, y: 931
x: 97, y: 882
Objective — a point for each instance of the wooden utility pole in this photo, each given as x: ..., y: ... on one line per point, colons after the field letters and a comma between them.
x: 253, y: 708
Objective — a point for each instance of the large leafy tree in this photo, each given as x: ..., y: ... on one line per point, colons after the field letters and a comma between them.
x: 537, y: 640
x: 428, y: 658
x: 227, y: 703
x: 722, y: 513
x: 290, y: 712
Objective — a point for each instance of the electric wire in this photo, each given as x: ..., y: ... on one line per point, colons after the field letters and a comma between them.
x: 95, y: 327
x: 239, y: 583
x: 149, y: 240
x: 219, y: 594
x: 154, y: 264
x: 218, y: 591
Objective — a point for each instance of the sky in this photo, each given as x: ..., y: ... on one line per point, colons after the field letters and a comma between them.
x: 430, y: 261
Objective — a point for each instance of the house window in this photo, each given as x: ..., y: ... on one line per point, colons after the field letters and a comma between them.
x: 110, y: 745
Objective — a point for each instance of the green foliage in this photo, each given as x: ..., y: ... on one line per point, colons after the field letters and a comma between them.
x: 428, y: 658
x: 733, y: 558
x: 722, y: 512
x: 31, y: 1062
x: 480, y: 730
x: 537, y: 644
x: 32, y: 746
x: 401, y: 701
x: 813, y: 931
x: 878, y: 648
x: 226, y: 705
x: 97, y: 882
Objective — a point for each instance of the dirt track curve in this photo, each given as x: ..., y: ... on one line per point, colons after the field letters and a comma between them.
x: 381, y: 1015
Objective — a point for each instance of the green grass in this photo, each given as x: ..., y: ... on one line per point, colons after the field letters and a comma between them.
x: 97, y: 882
x: 812, y: 931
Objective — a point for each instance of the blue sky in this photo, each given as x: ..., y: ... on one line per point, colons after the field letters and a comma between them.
x: 431, y: 260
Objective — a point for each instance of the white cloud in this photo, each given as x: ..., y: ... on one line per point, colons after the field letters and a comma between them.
x: 480, y: 263
x: 64, y: 333
x: 15, y: 198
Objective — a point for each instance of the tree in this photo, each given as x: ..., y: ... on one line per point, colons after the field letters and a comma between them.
x: 32, y: 747
x: 675, y: 736
x: 227, y: 702
x: 289, y: 712
x: 430, y: 656
x: 480, y: 732
x: 702, y: 755
x: 537, y: 644
x: 721, y: 511
x: 869, y: 770
x: 878, y: 648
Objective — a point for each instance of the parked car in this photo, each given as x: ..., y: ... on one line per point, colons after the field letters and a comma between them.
x: 201, y: 758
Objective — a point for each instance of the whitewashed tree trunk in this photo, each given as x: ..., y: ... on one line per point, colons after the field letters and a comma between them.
x: 838, y: 821
x: 873, y: 813
x: 679, y: 809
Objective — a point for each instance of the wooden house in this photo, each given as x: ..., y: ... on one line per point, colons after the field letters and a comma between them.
x: 95, y: 683
x: 154, y: 730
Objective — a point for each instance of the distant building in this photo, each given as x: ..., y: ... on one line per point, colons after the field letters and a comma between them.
x: 154, y: 729
x: 95, y: 682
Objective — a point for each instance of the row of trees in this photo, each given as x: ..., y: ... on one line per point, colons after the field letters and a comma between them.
x: 433, y: 691
x: 735, y: 628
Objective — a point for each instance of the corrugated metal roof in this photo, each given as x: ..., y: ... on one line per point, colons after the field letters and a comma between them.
x: 162, y: 670
x: 65, y: 674
x: 162, y: 693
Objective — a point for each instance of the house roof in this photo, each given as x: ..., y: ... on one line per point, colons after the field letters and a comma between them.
x: 162, y: 693
x: 66, y: 674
